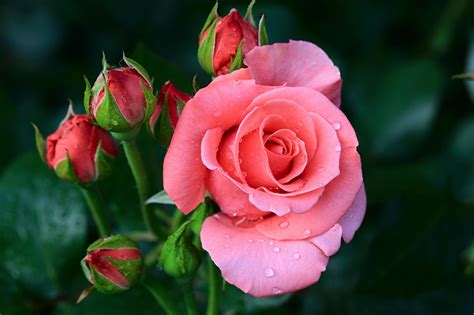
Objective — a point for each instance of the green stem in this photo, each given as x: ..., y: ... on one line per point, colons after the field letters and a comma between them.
x: 187, y: 288
x: 160, y: 292
x: 212, y: 300
x: 96, y: 205
x: 141, y: 179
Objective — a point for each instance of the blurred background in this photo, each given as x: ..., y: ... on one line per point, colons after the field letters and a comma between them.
x: 415, y: 126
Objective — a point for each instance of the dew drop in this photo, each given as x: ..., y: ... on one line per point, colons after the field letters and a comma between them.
x: 307, y: 232
x: 234, y: 214
x: 276, y: 249
x: 244, y: 174
x: 226, y: 246
x: 296, y: 256
x: 336, y: 125
x: 338, y: 148
x: 300, y: 123
x: 237, y: 82
x: 250, y: 241
x: 269, y: 272
x: 284, y: 225
x: 114, y: 122
x: 271, y: 242
x: 240, y: 161
x: 277, y: 290
x: 217, y: 113
x: 226, y: 236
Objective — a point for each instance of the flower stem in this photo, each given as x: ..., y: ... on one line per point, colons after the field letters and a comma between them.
x: 141, y: 179
x: 96, y: 205
x: 212, y: 300
x: 160, y: 292
x: 187, y: 288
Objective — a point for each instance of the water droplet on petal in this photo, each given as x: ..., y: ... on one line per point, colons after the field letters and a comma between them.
x: 277, y: 290
x: 338, y: 148
x: 284, y: 225
x: 269, y: 272
x: 226, y: 236
x: 217, y: 113
x: 296, y: 256
x: 226, y: 246
x: 271, y: 242
x: 307, y: 232
x: 276, y: 249
x: 250, y: 241
x: 336, y: 125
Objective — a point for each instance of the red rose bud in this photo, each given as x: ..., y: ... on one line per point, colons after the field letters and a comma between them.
x: 224, y: 41
x: 78, y: 151
x: 121, y: 98
x: 168, y: 108
x: 113, y: 264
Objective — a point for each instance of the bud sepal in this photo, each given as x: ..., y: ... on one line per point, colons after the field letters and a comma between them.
x: 113, y: 264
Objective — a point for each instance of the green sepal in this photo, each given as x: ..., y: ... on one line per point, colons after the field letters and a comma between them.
x: 113, y: 241
x: 161, y: 198
x: 206, y: 49
x: 200, y: 214
x: 105, y: 65
x: 179, y: 257
x: 150, y: 100
x: 87, y: 96
x: 86, y: 270
x: 195, y: 84
x: 65, y: 171
x: 103, y: 162
x: 213, y: 16
x: 181, y: 105
x: 249, y: 14
x: 262, y: 32
x: 238, y: 61
x: 108, y: 115
x: 139, y: 68
x: 40, y: 143
x: 69, y: 114
x: 163, y: 130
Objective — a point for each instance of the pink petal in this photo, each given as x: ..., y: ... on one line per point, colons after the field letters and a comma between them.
x: 230, y: 198
x: 256, y: 264
x: 337, y: 198
x: 330, y: 241
x: 315, y: 102
x: 352, y: 220
x: 297, y: 63
x: 219, y: 106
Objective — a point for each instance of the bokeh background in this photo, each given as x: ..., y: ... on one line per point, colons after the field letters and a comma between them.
x: 415, y: 125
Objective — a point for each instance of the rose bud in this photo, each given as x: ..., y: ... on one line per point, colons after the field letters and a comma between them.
x: 179, y: 257
x: 78, y: 151
x: 163, y: 121
x: 224, y: 41
x: 121, y: 98
x: 113, y: 264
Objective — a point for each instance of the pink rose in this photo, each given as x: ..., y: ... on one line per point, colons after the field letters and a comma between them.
x: 271, y: 146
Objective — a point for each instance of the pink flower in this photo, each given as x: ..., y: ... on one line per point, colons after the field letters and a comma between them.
x: 271, y: 146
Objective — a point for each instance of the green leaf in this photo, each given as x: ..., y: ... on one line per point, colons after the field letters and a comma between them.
x: 262, y: 32
x: 206, y: 50
x: 43, y: 227
x: 40, y: 143
x: 160, y: 198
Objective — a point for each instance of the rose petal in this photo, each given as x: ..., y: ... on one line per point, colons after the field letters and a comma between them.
x: 297, y: 63
x: 352, y: 220
x: 330, y: 241
x: 230, y: 198
x: 338, y: 196
x: 219, y: 106
x: 109, y: 271
x: 258, y: 265
x: 315, y: 102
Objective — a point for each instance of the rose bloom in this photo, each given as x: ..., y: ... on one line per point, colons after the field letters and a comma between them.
x: 272, y: 147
